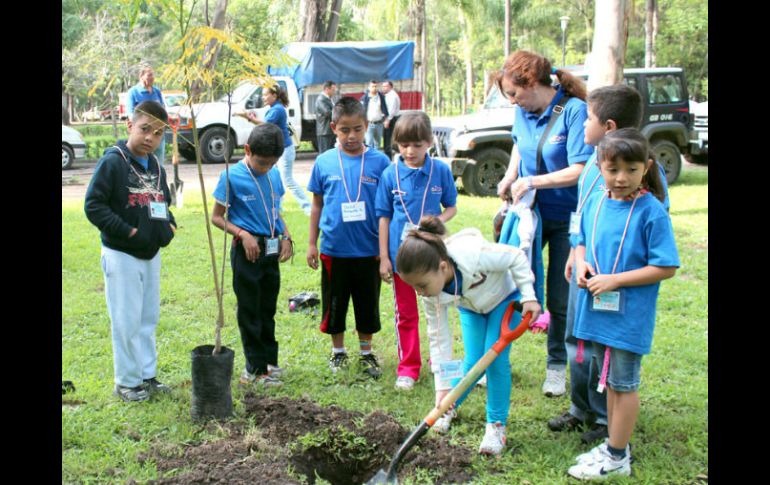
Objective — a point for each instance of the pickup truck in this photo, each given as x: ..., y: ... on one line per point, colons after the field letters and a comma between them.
x: 349, y: 64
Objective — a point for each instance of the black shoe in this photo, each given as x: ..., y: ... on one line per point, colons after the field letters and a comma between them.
x: 154, y: 386
x: 337, y: 361
x: 565, y: 422
x: 594, y: 433
x: 370, y: 365
x: 131, y: 394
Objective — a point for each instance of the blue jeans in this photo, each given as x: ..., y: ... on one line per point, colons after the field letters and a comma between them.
x: 132, y: 289
x: 285, y: 167
x: 624, y: 373
x: 480, y: 332
x: 583, y: 377
x: 556, y: 235
x: 374, y: 135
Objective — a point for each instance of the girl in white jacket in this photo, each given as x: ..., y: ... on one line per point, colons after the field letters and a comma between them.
x: 481, y: 279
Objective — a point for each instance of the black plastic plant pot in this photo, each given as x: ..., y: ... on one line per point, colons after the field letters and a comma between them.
x: 211, y: 374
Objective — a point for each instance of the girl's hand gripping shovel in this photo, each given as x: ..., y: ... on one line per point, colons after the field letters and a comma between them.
x: 177, y: 199
x: 506, y: 337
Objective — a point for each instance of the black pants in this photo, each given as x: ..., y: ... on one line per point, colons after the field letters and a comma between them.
x: 388, y: 137
x: 256, y: 287
x: 325, y: 142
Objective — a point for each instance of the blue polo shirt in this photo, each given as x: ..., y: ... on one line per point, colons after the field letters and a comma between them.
x: 563, y: 148
x: 591, y: 181
x: 277, y: 116
x: 649, y: 241
x: 340, y: 239
x: 247, y: 206
x: 413, y: 181
x: 138, y: 94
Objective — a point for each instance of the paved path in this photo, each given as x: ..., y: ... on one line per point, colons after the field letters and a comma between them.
x: 75, y: 181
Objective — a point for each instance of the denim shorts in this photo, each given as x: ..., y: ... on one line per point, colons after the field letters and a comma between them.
x: 625, y: 366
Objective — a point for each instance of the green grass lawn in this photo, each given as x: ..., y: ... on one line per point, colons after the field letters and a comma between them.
x: 102, y: 437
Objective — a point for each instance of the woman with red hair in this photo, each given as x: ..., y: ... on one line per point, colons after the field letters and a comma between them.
x: 548, y: 155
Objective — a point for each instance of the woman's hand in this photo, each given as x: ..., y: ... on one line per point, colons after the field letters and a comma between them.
x: 519, y: 188
x: 504, y: 189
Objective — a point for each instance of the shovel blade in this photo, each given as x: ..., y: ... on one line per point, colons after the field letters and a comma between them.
x: 383, y: 477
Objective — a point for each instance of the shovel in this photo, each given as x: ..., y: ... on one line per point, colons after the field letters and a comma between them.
x: 177, y: 199
x: 506, y: 337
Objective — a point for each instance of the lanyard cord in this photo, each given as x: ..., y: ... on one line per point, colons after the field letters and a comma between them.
x: 424, y: 195
x: 582, y: 202
x: 360, y: 179
x: 141, y: 179
x: 622, y: 239
x: 271, y: 222
x: 438, y: 316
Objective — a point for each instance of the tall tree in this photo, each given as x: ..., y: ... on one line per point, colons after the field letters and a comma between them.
x: 650, y: 32
x: 322, y: 20
x: 211, y: 53
x: 606, y: 61
x: 334, y: 21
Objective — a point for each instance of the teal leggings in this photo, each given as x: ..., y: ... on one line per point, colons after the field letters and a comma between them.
x: 480, y: 332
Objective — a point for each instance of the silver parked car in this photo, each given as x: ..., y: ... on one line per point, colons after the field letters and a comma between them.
x: 72, y: 146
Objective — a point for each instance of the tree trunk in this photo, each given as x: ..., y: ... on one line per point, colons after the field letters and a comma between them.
x: 507, y: 46
x: 211, y: 52
x: 650, y: 32
x: 315, y: 29
x: 437, y: 94
x: 334, y: 21
x: 466, y: 43
x: 605, y: 63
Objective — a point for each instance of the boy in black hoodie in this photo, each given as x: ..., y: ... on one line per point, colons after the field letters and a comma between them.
x: 127, y: 200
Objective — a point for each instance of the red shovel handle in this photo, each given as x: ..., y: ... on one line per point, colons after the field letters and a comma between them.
x: 506, y: 334
x: 173, y: 121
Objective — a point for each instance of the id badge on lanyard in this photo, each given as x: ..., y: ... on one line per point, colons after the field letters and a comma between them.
x: 353, y: 211
x: 451, y: 369
x: 408, y: 227
x: 574, y: 223
x: 271, y: 246
x: 609, y: 301
x: 158, y: 211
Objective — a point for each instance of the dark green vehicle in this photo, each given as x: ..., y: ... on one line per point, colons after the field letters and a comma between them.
x: 478, y: 146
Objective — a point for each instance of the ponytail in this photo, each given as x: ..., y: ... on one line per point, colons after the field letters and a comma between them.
x: 651, y: 180
x: 423, y: 249
x: 571, y: 85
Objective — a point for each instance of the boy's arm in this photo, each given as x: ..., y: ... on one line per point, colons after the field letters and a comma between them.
x: 250, y: 246
x: 287, y: 245
x: 316, y: 206
x: 449, y: 212
x: 97, y: 204
x: 648, y: 275
x: 386, y: 268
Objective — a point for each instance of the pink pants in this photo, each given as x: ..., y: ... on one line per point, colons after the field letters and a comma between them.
x: 407, y: 329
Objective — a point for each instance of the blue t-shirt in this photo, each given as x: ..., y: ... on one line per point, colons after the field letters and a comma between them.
x: 277, y: 116
x: 591, y: 181
x: 358, y: 239
x: 138, y: 94
x: 247, y: 204
x: 413, y: 181
x: 563, y: 148
x: 649, y: 241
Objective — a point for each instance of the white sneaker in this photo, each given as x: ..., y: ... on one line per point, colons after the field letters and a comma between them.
x: 442, y: 424
x: 275, y: 371
x: 482, y: 382
x: 404, y: 383
x: 555, y: 382
x: 594, y: 453
x: 601, y: 466
x: 494, y: 439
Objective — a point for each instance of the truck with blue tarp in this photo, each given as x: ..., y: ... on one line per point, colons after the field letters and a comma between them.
x: 351, y: 65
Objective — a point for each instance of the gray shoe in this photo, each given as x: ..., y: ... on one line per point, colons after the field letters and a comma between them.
x: 555, y: 382
x: 131, y: 394
x: 275, y: 371
x: 154, y: 386
x: 370, y: 365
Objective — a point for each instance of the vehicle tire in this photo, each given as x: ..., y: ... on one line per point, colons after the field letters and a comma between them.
x: 187, y: 153
x: 481, y: 178
x: 67, y: 157
x: 214, y: 148
x: 669, y: 156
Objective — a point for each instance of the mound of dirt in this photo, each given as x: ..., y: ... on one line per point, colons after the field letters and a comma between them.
x: 341, y: 446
